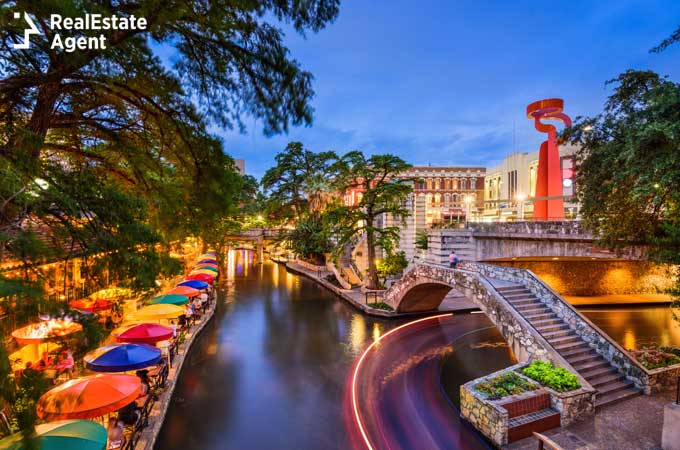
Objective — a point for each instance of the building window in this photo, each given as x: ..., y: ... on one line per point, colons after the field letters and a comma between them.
x: 455, y: 199
x: 437, y: 184
x: 532, y: 181
x: 463, y: 184
x: 512, y: 185
x: 473, y: 183
x: 454, y: 184
x: 428, y: 201
x: 447, y: 200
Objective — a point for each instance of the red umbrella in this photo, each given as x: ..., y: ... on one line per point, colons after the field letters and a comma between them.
x: 89, y: 397
x: 147, y: 333
x: 92, y: 305
x: 201, y: 277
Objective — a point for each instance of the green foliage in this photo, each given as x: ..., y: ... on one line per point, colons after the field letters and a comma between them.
x: 392, y: 264
x: 503, y: 385
x: 556, y: 378
x: 384, y: 191
x: 381, y: 305
x: 309, y: 239
x: 628, y: 170
x: 300, y: 184
x: 421, y: 240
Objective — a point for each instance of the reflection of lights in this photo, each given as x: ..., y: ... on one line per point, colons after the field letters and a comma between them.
x: 355, y: 406
x: 357, y: 333
x: 629, y: 340
x: 377, y: 331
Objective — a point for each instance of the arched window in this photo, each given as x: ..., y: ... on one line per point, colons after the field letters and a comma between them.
x: 455, y: 199
x: 428, y: 201
x: 463, y: 184
x: 473, y: 183
x: 437, y: 200
x: 447, y: 200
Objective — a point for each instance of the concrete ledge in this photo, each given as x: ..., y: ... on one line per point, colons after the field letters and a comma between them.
x: 149, y: 435
x: 670, y: 437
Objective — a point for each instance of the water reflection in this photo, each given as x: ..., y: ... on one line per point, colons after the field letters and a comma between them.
x: 635, y: 327
x: 270, y: 370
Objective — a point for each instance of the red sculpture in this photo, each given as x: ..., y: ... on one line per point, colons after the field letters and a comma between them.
x: 550, y: 205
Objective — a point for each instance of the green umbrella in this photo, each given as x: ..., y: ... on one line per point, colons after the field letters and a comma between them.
x: 62, y: 435
x: 169, y: 299
x: 207, y: 268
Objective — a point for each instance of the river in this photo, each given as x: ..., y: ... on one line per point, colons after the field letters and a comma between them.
x: 272, y: 370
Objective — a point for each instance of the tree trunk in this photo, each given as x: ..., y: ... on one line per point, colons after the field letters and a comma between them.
x: 372, y: 274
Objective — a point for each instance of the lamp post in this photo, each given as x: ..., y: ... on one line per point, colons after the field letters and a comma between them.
x: 520, y: 206
x: 468, y: 200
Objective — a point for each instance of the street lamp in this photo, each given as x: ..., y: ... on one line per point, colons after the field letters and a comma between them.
x: 468, y: 200
x: 520, y: 206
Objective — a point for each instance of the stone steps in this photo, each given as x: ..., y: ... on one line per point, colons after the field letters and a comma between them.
x: 611, y: 386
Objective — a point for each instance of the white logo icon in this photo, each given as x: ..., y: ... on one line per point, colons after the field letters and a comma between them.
x: 32, y: 29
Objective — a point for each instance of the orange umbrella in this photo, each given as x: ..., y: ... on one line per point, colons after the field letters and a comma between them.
x: 185, y: 290
x: 89, y: 397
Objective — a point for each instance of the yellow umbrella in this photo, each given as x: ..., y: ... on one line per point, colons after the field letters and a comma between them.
x: 207, y: 272
x: 157, y: 312
x: 111, y: 293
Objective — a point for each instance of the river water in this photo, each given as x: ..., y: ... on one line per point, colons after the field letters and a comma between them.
x: 271, y: 370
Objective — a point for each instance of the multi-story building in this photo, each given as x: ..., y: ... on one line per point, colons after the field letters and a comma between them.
x: 450, y: 193
x: 509, y: 187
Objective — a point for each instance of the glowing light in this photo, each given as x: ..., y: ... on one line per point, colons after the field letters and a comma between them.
x: 355, y: 406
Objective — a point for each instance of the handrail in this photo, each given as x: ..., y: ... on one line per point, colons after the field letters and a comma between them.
x: 545, y: 440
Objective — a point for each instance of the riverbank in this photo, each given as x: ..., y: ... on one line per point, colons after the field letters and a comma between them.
x: 360, y: 300
x: 157, y: 414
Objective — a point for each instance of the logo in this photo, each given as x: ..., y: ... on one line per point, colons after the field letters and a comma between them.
x: 32, y: 29
x: 80, y: 33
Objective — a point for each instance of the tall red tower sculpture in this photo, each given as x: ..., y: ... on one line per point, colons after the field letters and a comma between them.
x: 550, y: 205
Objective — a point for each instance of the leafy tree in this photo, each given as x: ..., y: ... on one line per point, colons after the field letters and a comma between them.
x: 310, y: 239
x: 628, y: 170
x: 384, y: 190
x: 300, y: 183
x: 300, y: 187
x: 392, y: 264
x: 421, y: 240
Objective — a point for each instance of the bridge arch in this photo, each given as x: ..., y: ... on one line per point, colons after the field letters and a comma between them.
x: 425, y: 294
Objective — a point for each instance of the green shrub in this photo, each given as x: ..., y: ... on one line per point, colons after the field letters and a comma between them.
x: 503, y: 385
x: 381, y: 305
x: 555, y: 378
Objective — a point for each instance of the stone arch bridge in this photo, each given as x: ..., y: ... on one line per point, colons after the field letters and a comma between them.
x: 534, y: 320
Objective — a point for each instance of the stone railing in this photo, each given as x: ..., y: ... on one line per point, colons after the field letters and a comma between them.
x: 492, y: 419
x: 571, y: 229
x: 598, y: 340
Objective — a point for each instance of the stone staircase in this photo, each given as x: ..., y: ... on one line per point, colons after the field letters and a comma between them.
x: 611, y: 385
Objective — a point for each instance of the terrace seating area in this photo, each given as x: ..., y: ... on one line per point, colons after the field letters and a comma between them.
x: 111, y: 393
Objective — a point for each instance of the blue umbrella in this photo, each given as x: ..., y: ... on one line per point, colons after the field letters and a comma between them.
x: 122, y: 357
x: 213, y: 261
x: 196, y: 284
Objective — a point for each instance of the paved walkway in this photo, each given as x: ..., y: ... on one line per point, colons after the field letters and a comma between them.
x: 633, y: 424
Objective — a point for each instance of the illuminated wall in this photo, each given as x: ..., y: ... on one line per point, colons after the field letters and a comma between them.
x: 584, y: 278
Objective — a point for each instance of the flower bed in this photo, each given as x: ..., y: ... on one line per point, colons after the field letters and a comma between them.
x: 657, y: 357
x: 503, y: 385
x: 556, y: 378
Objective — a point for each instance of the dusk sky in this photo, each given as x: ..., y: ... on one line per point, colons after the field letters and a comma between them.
x: 445, y: 82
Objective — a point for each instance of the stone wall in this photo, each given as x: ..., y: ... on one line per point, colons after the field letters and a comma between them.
x: 598, y: 340
x: 491, y: 419
x: 600, y: 277
x: 487, y: 417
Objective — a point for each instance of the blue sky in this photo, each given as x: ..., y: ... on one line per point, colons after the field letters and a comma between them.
x: 445, y: 82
